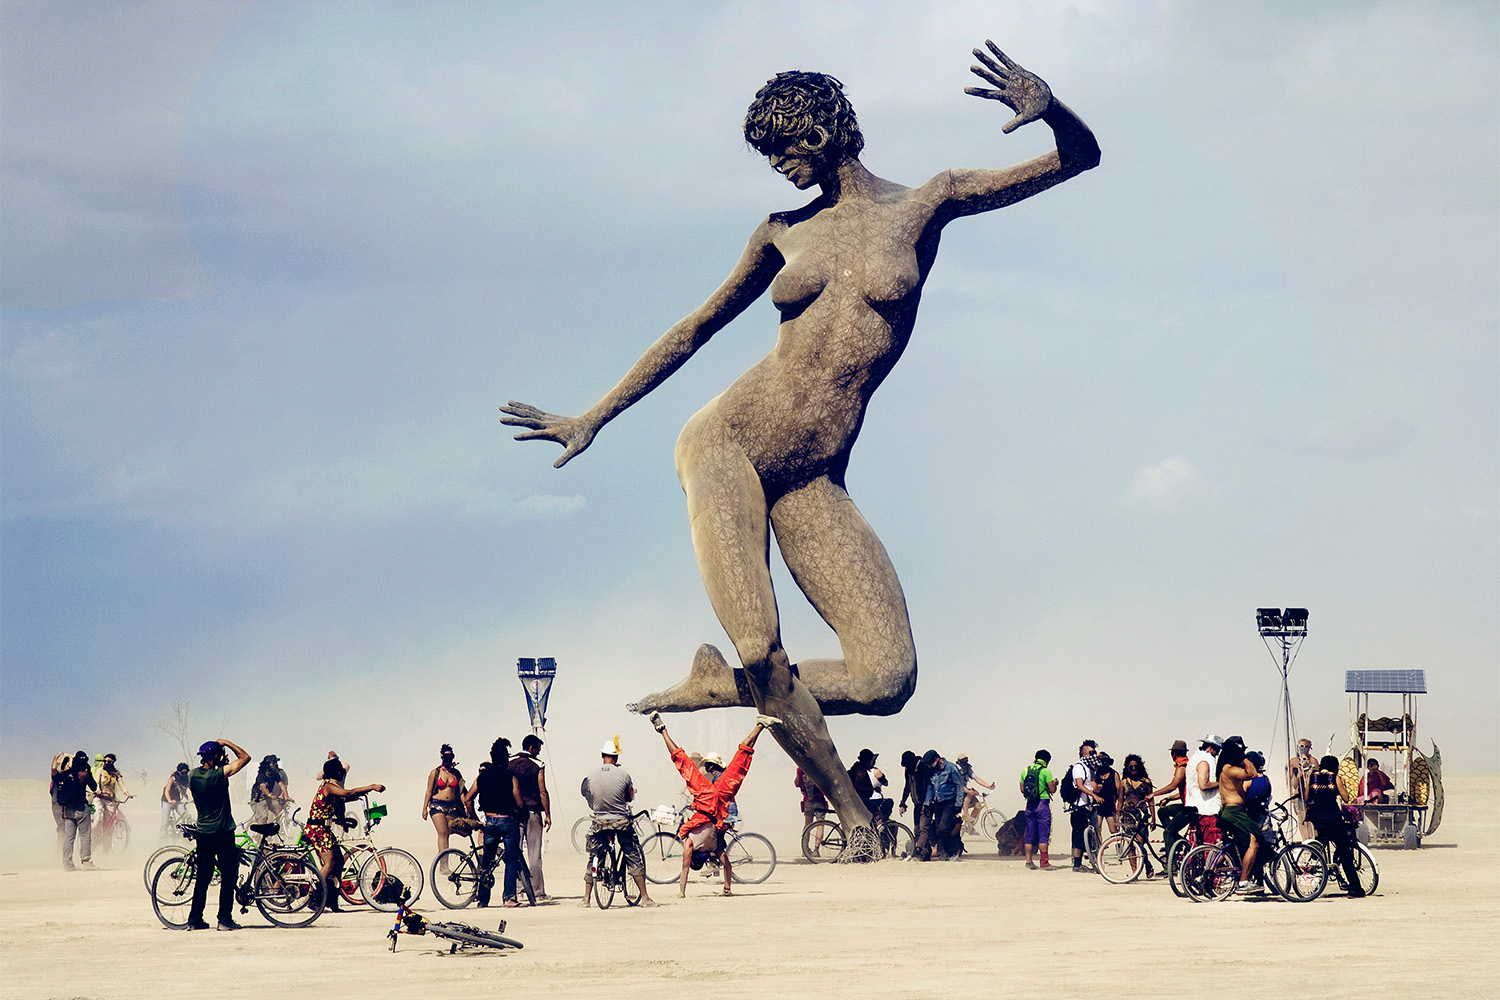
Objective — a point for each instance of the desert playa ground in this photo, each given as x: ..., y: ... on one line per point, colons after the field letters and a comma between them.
x: 981, y: 927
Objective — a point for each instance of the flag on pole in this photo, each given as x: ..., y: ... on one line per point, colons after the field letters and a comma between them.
x: 536, y: 674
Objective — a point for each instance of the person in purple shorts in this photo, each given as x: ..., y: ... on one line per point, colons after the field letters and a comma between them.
x: 1038, y: 786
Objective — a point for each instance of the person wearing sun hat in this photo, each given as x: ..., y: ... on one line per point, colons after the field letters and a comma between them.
x: 611, y: 791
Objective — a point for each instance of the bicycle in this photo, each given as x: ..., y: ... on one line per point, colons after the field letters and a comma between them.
x: 112, y: 831
x: 1298, y: 872
x: 458, y: 874
x: 646, y: 824
x: 282, y: 882
x: 1365, y: 869
x: 752, y: 857
x: 610, y: 876
x: 989, y: 820
x: 1123, y: 856
x: 408, y: 921
x: 892, y: 839
x: 358, y: 849
x: 243, y: 841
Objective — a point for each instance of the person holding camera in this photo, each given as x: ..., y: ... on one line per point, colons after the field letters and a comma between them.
x: 209, y: 785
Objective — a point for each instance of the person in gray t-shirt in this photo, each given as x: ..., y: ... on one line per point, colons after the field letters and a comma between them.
x: 611, y: 792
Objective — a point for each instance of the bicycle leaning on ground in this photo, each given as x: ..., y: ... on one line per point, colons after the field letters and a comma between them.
x: 409, y: 921
x: 283, y: 882
x: 752, y: 858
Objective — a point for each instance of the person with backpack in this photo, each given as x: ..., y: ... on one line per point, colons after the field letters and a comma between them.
x: 74, y: 784
x: 1079, y: 796
x: 1038, y: 786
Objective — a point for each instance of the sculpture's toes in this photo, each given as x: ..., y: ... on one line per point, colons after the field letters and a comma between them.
x: 710, y: 683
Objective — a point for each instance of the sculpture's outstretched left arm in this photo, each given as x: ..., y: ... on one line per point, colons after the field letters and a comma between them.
x: 966, y: 192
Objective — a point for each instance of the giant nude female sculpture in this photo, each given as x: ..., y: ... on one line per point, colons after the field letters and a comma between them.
x: 846, y: 273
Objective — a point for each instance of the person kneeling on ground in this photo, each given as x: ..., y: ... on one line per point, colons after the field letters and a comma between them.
x: 702, y: 835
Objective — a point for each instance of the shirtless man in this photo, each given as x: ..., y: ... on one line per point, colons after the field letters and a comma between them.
x: 1235, y: 821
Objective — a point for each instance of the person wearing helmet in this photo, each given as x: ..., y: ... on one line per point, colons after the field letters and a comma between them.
x: 610, y: 790
x: 713, y: 787
x: 209, y: 785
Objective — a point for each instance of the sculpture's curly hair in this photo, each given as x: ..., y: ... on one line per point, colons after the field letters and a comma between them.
x: 794, y: 105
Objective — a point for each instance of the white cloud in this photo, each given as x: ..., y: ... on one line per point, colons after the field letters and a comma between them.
x: 1163, y: 485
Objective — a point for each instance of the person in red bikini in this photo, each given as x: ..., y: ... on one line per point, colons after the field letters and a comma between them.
x: 443, y: 797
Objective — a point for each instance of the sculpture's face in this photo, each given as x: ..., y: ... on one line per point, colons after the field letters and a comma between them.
x: 801, y: 162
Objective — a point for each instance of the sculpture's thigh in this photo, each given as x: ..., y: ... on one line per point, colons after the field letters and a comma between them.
x: 727, y: 510
x: 844, y: 570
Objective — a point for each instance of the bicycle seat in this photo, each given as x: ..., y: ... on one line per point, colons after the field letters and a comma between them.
x: 265, y: 829
x: 347, y: 822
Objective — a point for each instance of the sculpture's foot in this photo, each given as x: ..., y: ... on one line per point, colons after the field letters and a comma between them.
x: 710, y: 683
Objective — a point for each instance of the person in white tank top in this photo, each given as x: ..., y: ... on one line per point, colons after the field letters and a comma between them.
x: 1205, y: 800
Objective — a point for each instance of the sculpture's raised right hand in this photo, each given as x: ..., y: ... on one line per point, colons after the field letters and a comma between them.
x: 573, y: 433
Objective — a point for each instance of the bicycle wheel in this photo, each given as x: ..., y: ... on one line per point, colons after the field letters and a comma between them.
x: 288, y: 888
x: 1299, y: 873
x: 1220, y: 874
x: 580, y: 833
x: 458, y: 887
x: 465, y: 935
x: 823, y: 840
x: 386, y: 874
x: 606, y: 875
x: 1195, y: 866
x: 1366, y: 869
x: 1091, y: 846
x: 172, y: 891
x: 1122, y: 858
x: 990, y: 822
x: 663, y: 853
x: 897, y: 840
x: 354, y: 860
x: 630, y: 888
x: 119, y: 836
x: 157, y: 857
x: 752, y: 859
x: 1175, y: 857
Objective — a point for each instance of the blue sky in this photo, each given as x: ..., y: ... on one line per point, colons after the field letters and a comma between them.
x: 270, y: 268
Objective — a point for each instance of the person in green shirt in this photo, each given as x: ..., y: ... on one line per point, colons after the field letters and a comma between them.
x: 209, y: 785
x: 1038, y: 786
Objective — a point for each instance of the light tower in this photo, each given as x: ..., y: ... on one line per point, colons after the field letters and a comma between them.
x: 1283, y: 632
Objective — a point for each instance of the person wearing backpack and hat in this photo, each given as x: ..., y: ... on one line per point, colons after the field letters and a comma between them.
x: 611, y: 791
x: 1038, y: 786
x: 1201, y: 794
x: 74, y: 784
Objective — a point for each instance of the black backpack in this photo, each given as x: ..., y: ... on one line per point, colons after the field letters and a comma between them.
x: 1031, y: 784
x: 390, y: 891
x: 1069, y: 789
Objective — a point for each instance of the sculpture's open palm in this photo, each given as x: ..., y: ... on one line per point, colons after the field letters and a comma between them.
x: 573, y: 433
x: 1021, y: 91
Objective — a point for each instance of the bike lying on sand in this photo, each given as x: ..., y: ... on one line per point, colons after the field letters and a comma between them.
x: 409, y: 921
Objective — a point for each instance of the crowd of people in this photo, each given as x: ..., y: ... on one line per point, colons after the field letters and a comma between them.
x: 1221, y: 785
